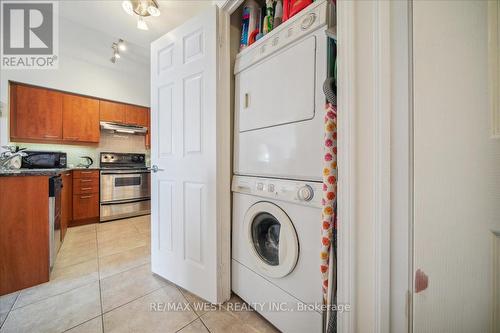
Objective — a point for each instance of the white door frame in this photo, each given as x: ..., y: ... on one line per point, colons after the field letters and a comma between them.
x: 383, y: 199
x: 346, y: 187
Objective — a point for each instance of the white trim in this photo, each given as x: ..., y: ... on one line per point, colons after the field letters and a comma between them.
x: 229, y: 6
x: 346, y: 256
x: 411, y: 171
x: 495, y: 320
x: 382, y: 165
x: 494, y: 70
x: 224, y: 172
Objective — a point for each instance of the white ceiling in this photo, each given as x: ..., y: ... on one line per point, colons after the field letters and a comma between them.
x: 109, y: 17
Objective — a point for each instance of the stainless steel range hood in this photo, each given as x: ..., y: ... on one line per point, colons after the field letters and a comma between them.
x: 121, y: 128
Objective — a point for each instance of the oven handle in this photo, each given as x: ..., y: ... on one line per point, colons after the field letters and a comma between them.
x: 117, y: 202
x: 125, y: 172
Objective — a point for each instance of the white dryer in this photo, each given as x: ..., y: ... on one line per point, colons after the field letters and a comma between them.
x: 276, y: 241
x: 279, y: 101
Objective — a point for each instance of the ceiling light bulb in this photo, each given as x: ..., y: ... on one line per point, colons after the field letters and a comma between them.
x: 121, y: 45
x: 153, y: 11
x: 117, y: 55
x: 141, y: 24
x: 128, y: 7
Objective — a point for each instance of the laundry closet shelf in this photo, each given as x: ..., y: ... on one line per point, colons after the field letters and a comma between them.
x: 315, y: 16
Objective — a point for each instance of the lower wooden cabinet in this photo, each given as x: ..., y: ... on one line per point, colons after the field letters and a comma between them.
x: 24, y: 232
x: 66, y: 202
x: 85, y: 207
x: 85, y: 197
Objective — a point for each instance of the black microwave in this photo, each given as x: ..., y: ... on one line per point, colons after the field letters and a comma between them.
x: 44, y: 160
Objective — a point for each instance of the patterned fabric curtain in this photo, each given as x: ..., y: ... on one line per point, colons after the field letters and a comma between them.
x: 329, y: 193
x: 329, y: 213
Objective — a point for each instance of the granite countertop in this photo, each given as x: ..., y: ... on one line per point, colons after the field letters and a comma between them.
x: 38, y: 172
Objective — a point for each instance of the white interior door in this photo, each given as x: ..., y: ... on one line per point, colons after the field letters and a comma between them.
x: 184, y: 197
x: 456, y: 171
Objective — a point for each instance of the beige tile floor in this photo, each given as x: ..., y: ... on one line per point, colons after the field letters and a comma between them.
x: 102, y: 282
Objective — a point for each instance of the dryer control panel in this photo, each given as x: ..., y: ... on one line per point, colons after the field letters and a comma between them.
x: 300, y: 192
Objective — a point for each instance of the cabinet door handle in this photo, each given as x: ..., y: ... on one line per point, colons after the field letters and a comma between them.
x: 51, y: 136
x: 71, y: 138
x: 86, y: 172
x: 86, y: 197
x: 85, y: 180
x: 246, y: 102
x: 86, y: 188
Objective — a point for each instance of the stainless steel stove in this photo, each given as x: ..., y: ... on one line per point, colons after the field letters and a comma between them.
x: 125, y: 186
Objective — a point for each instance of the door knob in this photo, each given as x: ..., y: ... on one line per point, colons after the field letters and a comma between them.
x: 155, y: 168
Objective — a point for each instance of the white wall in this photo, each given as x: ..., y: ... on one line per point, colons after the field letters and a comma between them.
x: 457, y: 167
x: 84, y: 68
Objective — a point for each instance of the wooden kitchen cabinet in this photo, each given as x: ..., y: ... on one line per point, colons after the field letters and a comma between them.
x: 35, y: 113
x: 66, y: 202
x: 39, y: 114
x: 112, y: 111
x: 86, y: 174
x: 85, y: 208
x: 80, y: 119
x: 85, y: 185
x: 85, y: 197
x: 136, y: 115
x: 148, y: 134
x: 24, y: 232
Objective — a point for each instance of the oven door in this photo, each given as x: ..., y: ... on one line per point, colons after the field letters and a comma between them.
x: 122, y: 185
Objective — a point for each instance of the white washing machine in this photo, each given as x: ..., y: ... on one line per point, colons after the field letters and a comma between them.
x: 276, y: 242
x: 279, y: 101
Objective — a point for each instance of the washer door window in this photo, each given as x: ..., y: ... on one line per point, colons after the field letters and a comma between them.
x: 272, y: 239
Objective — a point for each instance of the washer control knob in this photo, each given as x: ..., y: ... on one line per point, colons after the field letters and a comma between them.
x: 260, y: 186
x: 305, y: 193
x: 270, y: 188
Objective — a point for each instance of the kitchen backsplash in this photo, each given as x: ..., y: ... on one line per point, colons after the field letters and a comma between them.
x: 119, y: 143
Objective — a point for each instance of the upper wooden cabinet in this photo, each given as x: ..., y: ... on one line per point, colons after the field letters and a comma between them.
x: 80, y: 119
x: 44, y: 115
x: 112, y: 112
x: 136, y: 115
x: 35, y: 113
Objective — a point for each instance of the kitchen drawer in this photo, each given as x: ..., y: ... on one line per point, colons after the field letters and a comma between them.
x: 85, y: 206
x: 85, y: 185
x: 85, y: 174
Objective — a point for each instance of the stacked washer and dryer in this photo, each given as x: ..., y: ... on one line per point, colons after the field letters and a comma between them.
x: 277, y: 188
